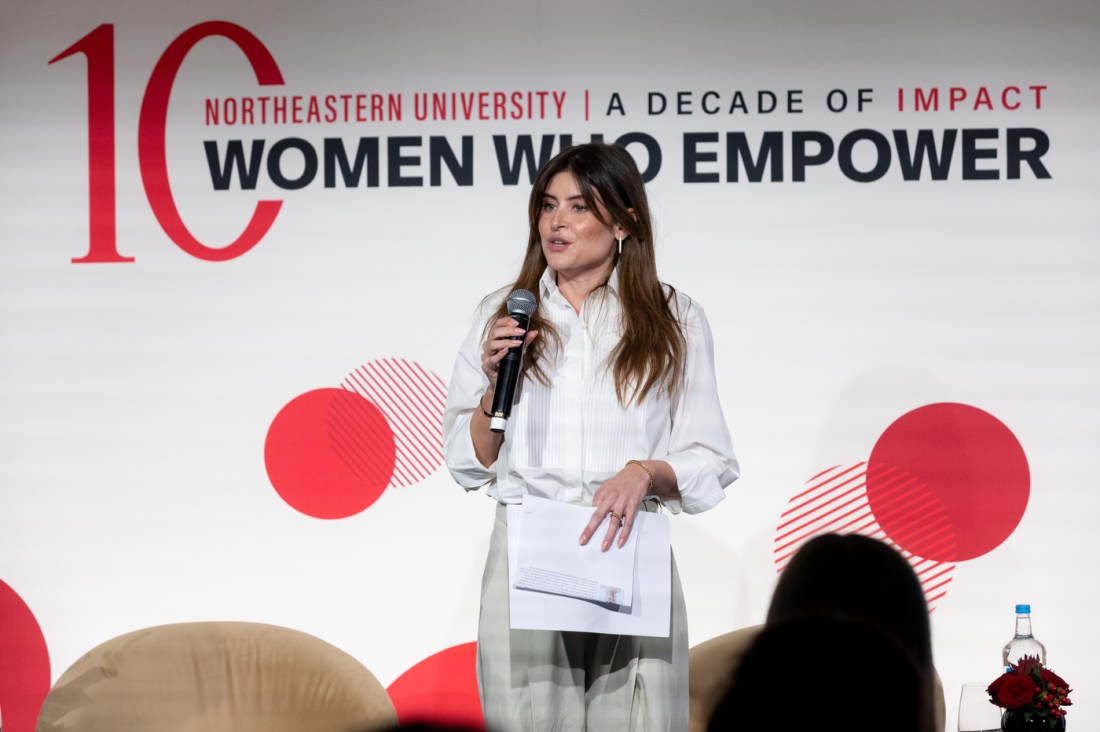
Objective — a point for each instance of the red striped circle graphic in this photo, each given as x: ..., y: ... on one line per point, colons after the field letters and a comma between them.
x: 412, y: 399
x: 835, y: 501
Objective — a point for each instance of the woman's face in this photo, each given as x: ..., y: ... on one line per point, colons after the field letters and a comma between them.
x: 574, y: 240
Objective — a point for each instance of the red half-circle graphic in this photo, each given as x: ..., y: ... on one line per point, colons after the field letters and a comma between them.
x: 24, y: 663
x: 441, y: 690
x: 329, y: 453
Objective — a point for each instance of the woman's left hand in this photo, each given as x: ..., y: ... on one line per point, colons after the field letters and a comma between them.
x: 620, y: 497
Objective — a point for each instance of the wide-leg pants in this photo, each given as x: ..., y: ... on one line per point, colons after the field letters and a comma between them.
x: 538, y: 681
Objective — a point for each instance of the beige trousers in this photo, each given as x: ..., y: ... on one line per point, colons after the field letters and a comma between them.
x: 538, y: 680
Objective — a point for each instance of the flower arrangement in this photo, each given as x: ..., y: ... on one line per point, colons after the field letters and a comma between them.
x: 1033, y: 692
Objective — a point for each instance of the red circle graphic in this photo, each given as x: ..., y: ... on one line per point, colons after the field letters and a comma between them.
x: 948, y: 482
x: 24, y: 662
x: 441, y: 689
x: 329, y: 453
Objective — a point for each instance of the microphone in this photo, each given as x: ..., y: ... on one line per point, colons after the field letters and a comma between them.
x: 521, y: 306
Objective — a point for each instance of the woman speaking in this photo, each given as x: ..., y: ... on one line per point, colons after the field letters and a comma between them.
x: 617, y: 408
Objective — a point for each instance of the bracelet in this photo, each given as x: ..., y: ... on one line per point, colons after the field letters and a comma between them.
x: 483, y: 408
x: 648, y: 472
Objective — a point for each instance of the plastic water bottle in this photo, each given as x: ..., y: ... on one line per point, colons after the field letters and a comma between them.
x: 1023, y: 643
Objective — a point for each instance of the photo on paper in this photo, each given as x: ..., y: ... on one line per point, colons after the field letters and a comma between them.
x: 538, y: 579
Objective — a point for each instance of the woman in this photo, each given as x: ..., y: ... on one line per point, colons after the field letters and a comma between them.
x: 617, y: 408
x: 856, y: 576
x: 860, y: 578
x: 820, y: 672
x: 866, y: 591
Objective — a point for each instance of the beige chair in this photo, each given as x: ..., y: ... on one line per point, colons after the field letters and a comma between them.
x: 216, y: 677
x: 710, y: 672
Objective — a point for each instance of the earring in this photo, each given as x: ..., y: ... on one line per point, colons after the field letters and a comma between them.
x: 620, y: 240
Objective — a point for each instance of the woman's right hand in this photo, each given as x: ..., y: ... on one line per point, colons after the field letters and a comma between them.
x: 502, y: 337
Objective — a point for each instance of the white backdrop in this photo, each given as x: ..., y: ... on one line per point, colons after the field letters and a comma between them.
x: 136, y: 398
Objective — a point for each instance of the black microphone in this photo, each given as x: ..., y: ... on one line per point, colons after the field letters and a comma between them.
x: 521, y: 306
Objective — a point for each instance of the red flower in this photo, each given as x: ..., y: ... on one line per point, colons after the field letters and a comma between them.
x: 1014, y: 691
x: 1030, y: 688
x: 1027, y: 665
x: 1052, y: 679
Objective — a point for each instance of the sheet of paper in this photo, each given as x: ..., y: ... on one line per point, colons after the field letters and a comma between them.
x: 651, y: 592
x: 551, y: 560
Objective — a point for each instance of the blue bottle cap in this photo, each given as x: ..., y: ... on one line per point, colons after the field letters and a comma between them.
x: 1023, y: 609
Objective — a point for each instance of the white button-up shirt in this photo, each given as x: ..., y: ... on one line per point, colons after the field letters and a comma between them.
x: 564, y: 439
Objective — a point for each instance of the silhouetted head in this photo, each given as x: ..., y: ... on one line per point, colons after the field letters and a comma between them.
x: 850, y: 576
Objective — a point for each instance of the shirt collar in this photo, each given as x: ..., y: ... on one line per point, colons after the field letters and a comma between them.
x: 548, y: 286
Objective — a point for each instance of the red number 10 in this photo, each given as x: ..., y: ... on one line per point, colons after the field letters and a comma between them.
x: 99, y: 48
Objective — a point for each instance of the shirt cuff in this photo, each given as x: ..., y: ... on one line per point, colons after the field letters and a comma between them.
x: 698, y: 483
x: 462, y: 460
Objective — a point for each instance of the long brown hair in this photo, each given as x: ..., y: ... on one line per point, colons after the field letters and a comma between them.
x: 651, y: 350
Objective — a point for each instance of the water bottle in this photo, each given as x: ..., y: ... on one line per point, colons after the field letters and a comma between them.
x: 1023, y: 643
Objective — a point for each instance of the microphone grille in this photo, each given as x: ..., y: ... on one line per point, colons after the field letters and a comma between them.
x: 522, y: 301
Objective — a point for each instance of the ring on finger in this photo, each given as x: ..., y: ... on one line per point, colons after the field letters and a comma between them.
x: 617, y: 516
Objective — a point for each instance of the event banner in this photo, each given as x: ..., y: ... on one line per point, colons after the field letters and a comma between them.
x: 241, y: 244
